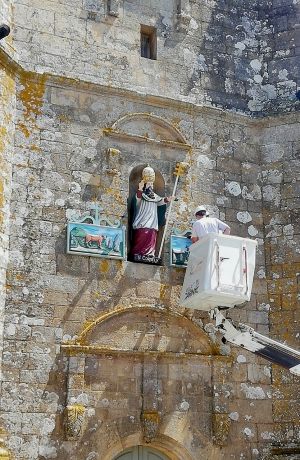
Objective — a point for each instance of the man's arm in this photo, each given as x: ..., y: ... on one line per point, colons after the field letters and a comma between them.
x: 225, y: 229
x: 195, y: 232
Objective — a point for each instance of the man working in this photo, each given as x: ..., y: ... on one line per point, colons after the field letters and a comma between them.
x: 205, y: 224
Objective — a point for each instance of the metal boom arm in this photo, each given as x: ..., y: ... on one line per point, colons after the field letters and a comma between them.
x: 244, y: 336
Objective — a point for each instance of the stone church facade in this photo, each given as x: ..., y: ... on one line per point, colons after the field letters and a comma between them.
x: 98, y: 359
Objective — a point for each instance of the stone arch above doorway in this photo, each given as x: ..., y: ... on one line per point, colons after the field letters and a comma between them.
x: 115, y: 327
x: 141, y: 453
x: 166, y: 447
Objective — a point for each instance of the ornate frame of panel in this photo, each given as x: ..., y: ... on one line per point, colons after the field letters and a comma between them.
x: 180, y: 242
x: 92, y: 235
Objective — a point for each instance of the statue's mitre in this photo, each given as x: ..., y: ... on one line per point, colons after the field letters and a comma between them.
x: 148, y: 174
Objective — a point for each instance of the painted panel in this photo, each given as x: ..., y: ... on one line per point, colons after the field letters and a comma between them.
x: 96, y: 240
x: 179, y: 250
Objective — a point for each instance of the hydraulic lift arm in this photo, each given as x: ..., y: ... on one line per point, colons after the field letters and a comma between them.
x: 245, y: 337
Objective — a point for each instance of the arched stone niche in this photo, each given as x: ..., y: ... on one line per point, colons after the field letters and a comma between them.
x: 141, y: 139
x: 148, y: 137
x: 159, y: 187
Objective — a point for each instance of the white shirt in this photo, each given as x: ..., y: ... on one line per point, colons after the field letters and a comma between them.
x: 208, y: 225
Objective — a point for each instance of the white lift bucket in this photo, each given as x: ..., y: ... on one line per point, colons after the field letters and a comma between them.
x: 219, y: 272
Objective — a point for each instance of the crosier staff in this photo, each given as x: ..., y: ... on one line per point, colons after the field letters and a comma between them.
x: 179, y: 171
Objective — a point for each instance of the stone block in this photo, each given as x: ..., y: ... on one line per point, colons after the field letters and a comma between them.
x: 259, y: 374
x: 286, y: 411
x: 258, y: 317
x: 240, y: 372
x: 245, y: 431
x: 253, y: 411
x: 152, y: 289
x: 254, y: 392
x: 38, y: 19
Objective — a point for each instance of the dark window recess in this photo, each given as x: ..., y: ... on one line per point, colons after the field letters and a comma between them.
x: 148, y: 42
x: 113, y: 7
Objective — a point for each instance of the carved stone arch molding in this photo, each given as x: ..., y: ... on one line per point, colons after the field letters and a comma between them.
x: 95, y: 338
x: 147, y: 127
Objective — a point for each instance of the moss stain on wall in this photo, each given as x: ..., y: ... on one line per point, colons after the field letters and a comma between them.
x: 31, y: 95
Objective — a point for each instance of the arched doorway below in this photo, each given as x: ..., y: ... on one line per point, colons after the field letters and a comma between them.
x: 141, y: 453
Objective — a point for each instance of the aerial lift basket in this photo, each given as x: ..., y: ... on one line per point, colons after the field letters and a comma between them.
x: 219, y: 272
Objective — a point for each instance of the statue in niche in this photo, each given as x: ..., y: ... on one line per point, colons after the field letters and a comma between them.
x: 148, y: 214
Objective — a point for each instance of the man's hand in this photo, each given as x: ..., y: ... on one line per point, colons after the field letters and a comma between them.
x: 141, y: 185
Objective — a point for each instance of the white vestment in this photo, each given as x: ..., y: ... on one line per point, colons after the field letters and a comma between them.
x: 146, y: 216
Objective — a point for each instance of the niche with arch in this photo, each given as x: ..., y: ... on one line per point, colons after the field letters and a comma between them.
x: 145, y: 138
x: 159, y: 188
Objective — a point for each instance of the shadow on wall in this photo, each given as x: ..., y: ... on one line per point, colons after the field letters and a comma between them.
x: 246, y: 60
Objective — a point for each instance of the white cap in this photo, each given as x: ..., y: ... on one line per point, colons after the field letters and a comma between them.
x: 200, y: 208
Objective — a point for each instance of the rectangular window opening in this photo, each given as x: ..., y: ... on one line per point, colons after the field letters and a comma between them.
x: 148, y: 42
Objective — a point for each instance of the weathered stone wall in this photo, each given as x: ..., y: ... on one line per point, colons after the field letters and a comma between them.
x: 278, y: 143
x: 280, y: 175
x: 172, y: 381
x: 61, y: 162
x: 7, y: 102
x: 5, y: 11
x: 236, y: 54
x: 276, y: 80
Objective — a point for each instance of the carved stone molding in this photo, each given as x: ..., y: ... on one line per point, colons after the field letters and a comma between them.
x: 74, y: 417
x: 113, y: 162
x: 82, y: 343
x: 4, y: 453
x: 221, y: 427
x: 150, y: 423
x: 161, y: 132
